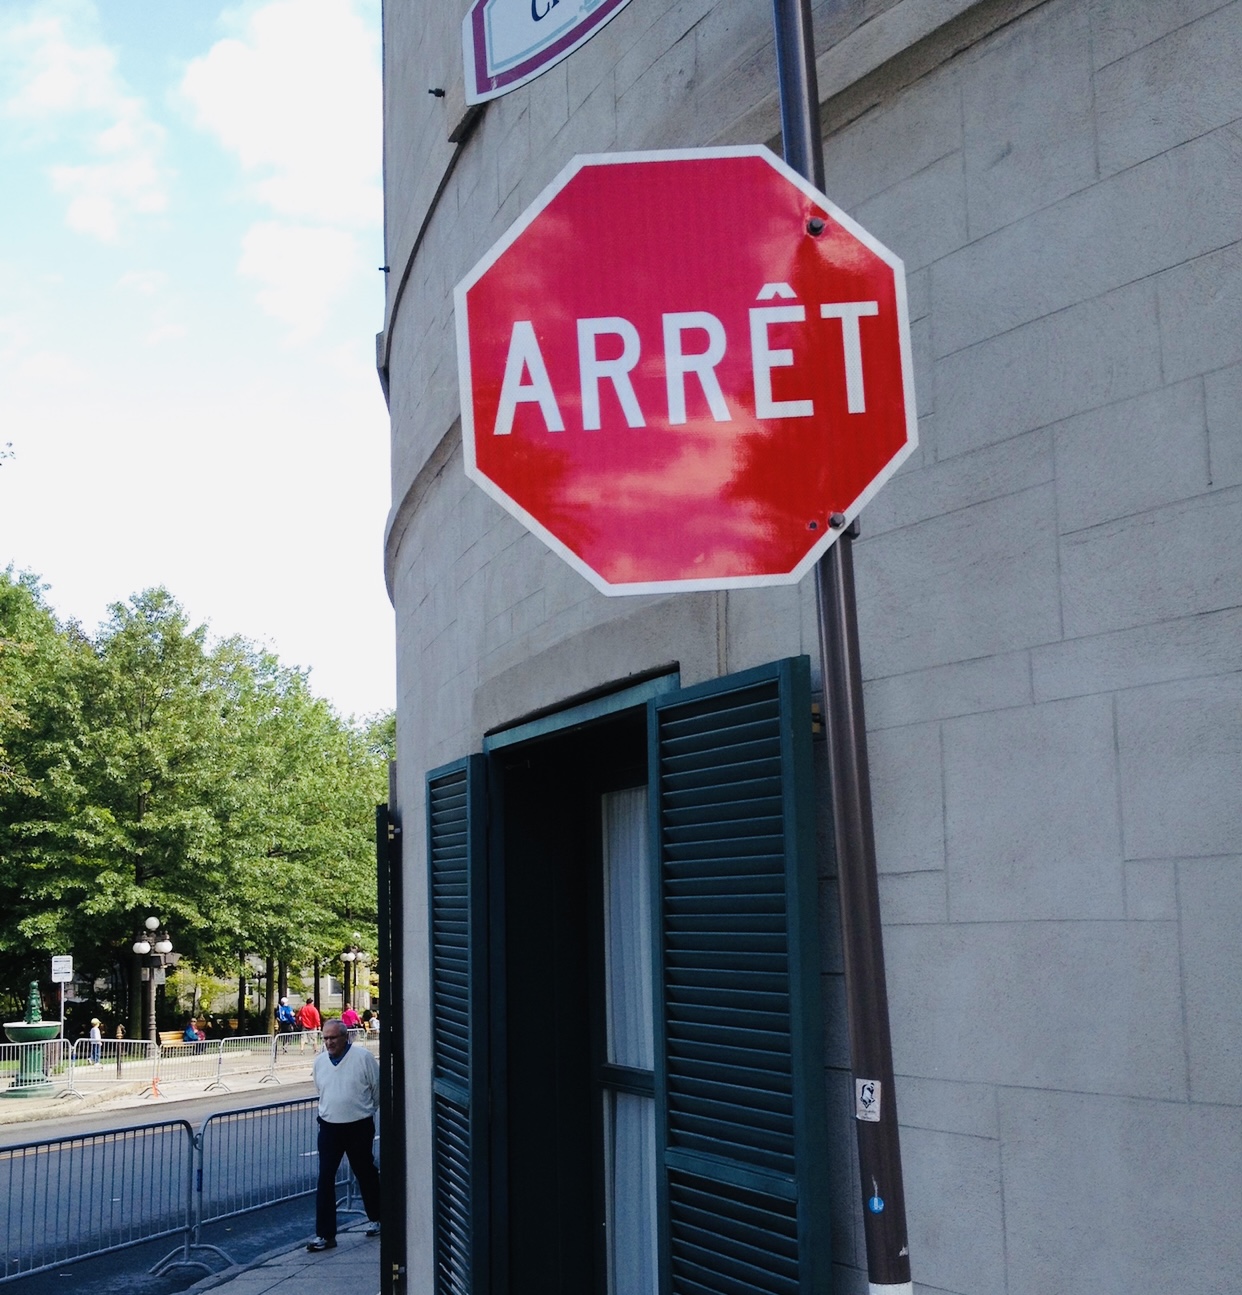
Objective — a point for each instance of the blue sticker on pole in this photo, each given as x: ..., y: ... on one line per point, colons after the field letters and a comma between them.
x: 876, y: 1205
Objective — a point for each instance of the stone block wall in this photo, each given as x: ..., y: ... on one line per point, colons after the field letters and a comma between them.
x: 1050, y: 591
x: 1049, y: 598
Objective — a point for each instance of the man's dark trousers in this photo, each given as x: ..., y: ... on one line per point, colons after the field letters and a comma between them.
x: 354, y: 1142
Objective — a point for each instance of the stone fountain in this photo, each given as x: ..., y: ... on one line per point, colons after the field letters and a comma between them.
x: 31, y: 1080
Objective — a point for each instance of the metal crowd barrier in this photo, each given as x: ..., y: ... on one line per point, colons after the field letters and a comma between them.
x: 33, y: 1067
x: 96, y: 1067
x: 73, y: 1198
x: 80, y: 1197
x: 83, y: 1067
x: 76, y: 1069
x: 277, y: 1144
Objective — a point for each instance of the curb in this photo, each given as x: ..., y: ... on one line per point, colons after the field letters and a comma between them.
x: 55, y: 1108
x: 212, y: 1280
x: 228, y: 1274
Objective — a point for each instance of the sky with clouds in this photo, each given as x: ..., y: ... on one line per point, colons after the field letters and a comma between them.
x: 190, y: 236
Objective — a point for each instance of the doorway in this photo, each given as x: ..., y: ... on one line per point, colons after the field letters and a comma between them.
x: 542, y: 1100
x: 573, y: 1148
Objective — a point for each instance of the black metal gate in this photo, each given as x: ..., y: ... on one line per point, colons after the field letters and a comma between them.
x: 392, y: 1050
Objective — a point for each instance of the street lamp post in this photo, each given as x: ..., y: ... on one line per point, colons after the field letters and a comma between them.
x: 349, y: 983
x: 347, y: 988
x: 156, y: 953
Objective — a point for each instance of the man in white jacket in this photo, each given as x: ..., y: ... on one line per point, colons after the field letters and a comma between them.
x: 348, y: 1080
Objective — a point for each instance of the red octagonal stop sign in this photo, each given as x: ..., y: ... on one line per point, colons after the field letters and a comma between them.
x: 685, y: 370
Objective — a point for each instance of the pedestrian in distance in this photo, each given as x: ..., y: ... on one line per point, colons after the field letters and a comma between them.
x: 96, y: 1037
x: 347, y: 1080
x: 311, y: 1022
x: 351, y: 1019
x: 284, y: 1022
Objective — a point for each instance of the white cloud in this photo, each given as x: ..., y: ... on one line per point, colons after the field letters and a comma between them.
x: 146, y: 283
x: 127, y: 181
x: 166, y: 333
x: 61, y: 84
x: 296, y: 97
x: 303, y: 271
x: 14, y: 334
x: 50, y: 69
x: 44, y: 369
x: 29, y: 370
x: 132, y: 445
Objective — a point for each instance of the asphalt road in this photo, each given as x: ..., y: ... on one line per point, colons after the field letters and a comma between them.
x: 85, y: 1190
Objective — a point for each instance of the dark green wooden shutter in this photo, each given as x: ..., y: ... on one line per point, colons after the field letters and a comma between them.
x: 739, y: 1030
x: 456, y: 851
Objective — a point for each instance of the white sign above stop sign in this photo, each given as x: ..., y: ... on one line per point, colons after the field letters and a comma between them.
x: 509, y: 42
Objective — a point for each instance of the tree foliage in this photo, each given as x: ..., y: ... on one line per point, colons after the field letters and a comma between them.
x: 147, y: 771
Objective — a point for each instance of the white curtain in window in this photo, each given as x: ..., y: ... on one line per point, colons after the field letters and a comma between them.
x: 630, y: 1153
x: 633, y: 1262
x: 627, y: 916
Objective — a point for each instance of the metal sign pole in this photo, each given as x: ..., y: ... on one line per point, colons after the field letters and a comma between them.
x: 62, y: 972
x: 871, y: 1054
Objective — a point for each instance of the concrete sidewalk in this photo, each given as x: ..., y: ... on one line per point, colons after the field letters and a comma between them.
x: 137, y: 1095
x: 353, y: 1268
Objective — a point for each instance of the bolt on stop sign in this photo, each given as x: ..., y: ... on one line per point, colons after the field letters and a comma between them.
x: 685, y: 370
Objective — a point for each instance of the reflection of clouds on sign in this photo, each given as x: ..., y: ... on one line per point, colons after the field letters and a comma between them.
x: 509, y: 42
x: 670, y: 403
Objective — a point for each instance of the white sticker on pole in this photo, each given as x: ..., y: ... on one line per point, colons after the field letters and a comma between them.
x: 62, y: 968
x: 867, y: 1100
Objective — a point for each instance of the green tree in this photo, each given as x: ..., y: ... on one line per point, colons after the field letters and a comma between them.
x: 154, y: 759
x: 145, y: 772
x: 311, y: 872
x: 40, y: 727
x: 295, y: 820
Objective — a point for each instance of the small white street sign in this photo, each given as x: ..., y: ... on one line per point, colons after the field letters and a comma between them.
x: 509, y: 42
x: 62, y: 968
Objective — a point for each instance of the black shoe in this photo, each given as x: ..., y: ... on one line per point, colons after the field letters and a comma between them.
x: 322, y: 1243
